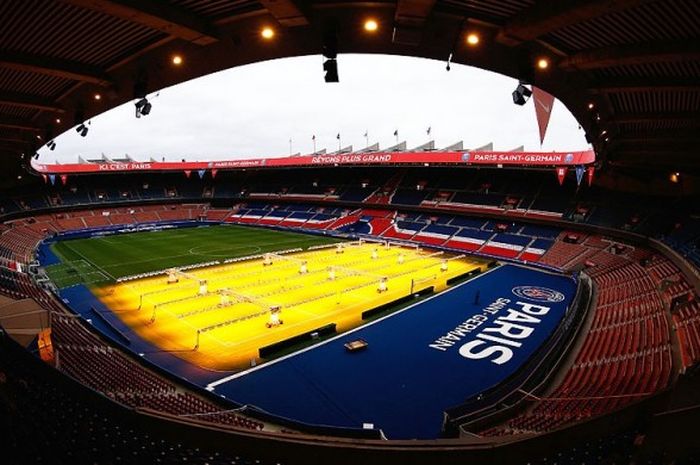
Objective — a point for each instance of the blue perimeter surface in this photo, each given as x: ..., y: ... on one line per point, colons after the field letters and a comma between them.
x: 84, y: 303
x: 399, y: 383
x: 46, y: 255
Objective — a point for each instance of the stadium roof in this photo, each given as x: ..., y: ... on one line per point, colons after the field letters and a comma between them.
x: 629, y: 70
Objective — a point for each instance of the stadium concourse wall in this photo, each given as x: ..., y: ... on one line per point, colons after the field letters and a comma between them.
x: 306, y: 449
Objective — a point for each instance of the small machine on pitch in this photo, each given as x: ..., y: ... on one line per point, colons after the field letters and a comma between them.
x: 275, y: 319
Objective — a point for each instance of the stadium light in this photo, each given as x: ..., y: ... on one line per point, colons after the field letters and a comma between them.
x: 521, y: 94
x: 98, y: 97
x: 82, y: 130
x: 473, y: 38
x: 58, y: 120
x: 330, y: 67
x: 177, y: 60
x: 543, y: 63
x: 371, y: 25
x: 143, y: 107
x: 330, y: 51
x: 267, y: 33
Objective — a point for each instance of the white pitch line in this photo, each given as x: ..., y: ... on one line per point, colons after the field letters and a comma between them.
x: 99, y: 268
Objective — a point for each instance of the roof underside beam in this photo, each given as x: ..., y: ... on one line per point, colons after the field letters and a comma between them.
x: 663, y: 133
x: 409, y: 20
x: 655, y: 117
x: 637, y: 54
x: 15, y: 123
x: 665, y: 84
x: 28, y: 101
x: 660, y: 153
x: 287, y: 12
x: 156, y: 15
x: 671, y: 161
x: 10, y: 148
x: 545, y: 17
x: 657, y: 142
x: 14, y: 140
x: 413, y: 12
x: 54, y: 67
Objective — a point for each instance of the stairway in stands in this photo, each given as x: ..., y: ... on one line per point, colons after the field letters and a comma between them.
x: 384, y: 194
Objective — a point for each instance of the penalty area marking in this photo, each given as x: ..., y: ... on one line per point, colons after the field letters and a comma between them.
x: 105, y: 272
x: 211, y: 386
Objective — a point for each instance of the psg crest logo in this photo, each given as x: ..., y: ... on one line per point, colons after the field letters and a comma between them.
x: 466, y: 156
x: 538, y: 294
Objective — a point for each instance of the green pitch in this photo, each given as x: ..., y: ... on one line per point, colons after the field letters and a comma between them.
x: 101, y: 260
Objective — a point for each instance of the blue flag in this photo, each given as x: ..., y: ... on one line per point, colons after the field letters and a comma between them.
x: 52, y: 177
x: 579, y: 174
x: 201, y: 173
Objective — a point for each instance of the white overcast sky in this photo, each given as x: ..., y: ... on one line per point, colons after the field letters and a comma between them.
x: 252, y: 111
